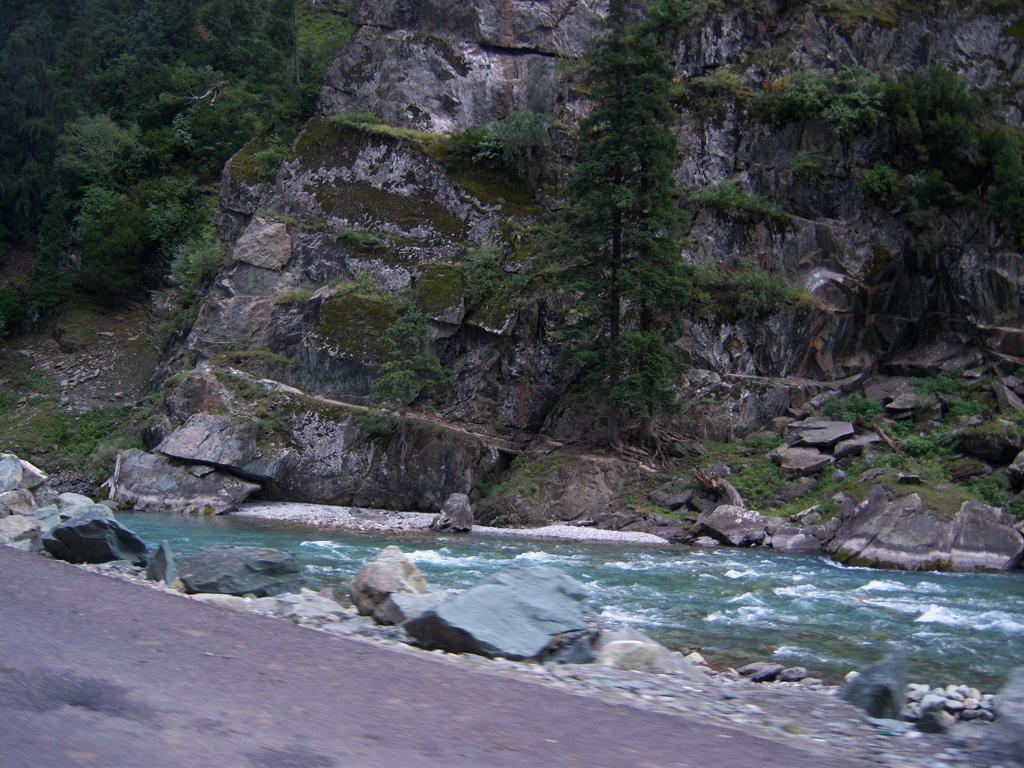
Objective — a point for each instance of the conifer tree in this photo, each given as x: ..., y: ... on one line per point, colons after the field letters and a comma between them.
x: 617, y: 255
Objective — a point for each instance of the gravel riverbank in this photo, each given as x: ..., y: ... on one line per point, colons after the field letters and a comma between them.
x: 384, y: 521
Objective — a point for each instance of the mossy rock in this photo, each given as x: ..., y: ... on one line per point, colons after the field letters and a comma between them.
x: 363, y: 203
x: 354, y: 324
x: 326, y: 142
x: 438, y: 288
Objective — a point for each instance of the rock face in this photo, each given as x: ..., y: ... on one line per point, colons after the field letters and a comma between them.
x: 156, y: 484
x: 514, y: 614
x: 93, y: 536
x: 456, y: 515
x: 389, y: 572
x: 240, y: 571
x: 880, y: 689
x: 735, y: 526
x: 884, y: 532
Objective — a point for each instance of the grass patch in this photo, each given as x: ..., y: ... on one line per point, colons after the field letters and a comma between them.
x: 728, y: 198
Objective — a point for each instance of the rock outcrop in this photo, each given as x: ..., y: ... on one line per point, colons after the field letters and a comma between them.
x: 887, y: 532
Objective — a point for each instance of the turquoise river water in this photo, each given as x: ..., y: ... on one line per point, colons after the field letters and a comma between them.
x: 735, y: 605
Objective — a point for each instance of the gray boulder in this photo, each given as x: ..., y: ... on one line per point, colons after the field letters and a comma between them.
x: 228, y: 443
x: 734, y: 526
x: 631, y: 650
x: 400, y: 607
x: 996, y: 442
x: 17, y: 502
x: 161, y: 565
x: 10, y: 473
x: 884, y: 532
x: 761, y: 671
x: 389, y: 572
x: 240, y: 571
x: 68, y: 503
x: 17, y: 528
x: 152, y: 482
x: 93, y: 536
x: 669, y: 500
x: 855, y: 446
x: 791, y: 538
x: 1008, y: 729
x: 879, y: 690
x: 31, y: 476
x: 47, y: 518
x: 514, y: 614
x: 456, y: 515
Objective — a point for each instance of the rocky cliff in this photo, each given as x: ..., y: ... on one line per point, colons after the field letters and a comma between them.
x: 365, y: 209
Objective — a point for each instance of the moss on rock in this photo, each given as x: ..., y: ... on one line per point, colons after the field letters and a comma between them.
x: 438, y: 287
x: 354, y: 323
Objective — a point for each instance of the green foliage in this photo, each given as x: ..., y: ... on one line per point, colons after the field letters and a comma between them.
x: 490, y: 282
x: 883, y: 183
x: 729, y: 198
x: 719, y: 82
x: 519, y: 146
x: 94, y: 150
x: 810, y: 166
x: 648, y: 372
x: 410, y: 369
x: 853, y: 409
x: 678, y: 15
x: 192, y: 269
x: 848, y: 100
x: 730, y: 296
x: 360, y: 239
x: 437, y: 288
x: 112, y: 229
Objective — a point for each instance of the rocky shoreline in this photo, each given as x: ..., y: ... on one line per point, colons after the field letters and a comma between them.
x: 531, y: 621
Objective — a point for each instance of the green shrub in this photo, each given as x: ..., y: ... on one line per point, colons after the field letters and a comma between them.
x: 729, y: 198
x: 113, y: 230
x: 853, y: 408
x: 718, y: 82
x: 849, y: 100
x: 519, y: 146
x: 883, y: 183
x: 746, y: 292
x: 192, y: 269
x: 809, y: 166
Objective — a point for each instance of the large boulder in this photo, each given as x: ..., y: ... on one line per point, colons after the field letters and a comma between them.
x: 631, y: 650
x: 880, y: 689
x: 227, y: 443
x: 240, y: 571
x: 456, y: 515
x: 732, y: 525
x: 515, y: 614
x: 1008, y: 729
x: 152, y: 482
x: 996, y: 442
x: 400, y: 607
x: 10, y: 473
x: 94, y: 536
x: 389, y: 572
x: 69, y: 504
x: 883, y: 532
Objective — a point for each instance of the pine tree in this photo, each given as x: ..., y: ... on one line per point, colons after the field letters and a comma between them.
x: 617, y: 254
x: 410, y: 369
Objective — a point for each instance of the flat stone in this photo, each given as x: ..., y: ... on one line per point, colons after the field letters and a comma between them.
x: 819, y: 433
x: 733, y: 525
x: 800, y: 462
x: 902, y: 402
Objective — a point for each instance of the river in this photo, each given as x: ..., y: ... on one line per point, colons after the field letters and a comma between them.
x: 735, y: 605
